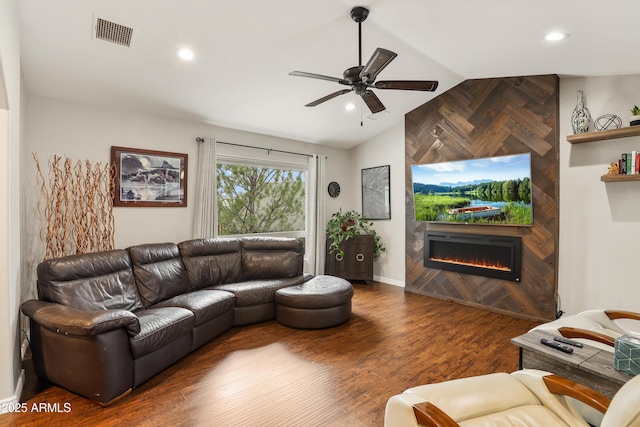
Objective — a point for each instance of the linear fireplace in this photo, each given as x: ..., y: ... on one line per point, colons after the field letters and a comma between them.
x: 483, y: 255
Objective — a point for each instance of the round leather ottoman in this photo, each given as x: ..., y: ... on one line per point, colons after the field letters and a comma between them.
x: 322, y: 302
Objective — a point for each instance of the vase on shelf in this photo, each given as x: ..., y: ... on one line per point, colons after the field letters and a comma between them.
x: 581, y: 118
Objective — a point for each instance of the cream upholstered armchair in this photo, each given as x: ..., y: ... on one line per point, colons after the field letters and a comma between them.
x: 523, y: 398
x: 597, y: 328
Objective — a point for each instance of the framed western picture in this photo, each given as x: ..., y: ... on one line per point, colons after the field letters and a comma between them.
x: 149, y: 178
x: 376, y: 193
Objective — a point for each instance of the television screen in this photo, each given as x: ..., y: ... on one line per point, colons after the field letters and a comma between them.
x: 494, y: 190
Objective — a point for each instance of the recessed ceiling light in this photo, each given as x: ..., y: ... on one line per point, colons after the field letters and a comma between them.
x: 555, y: 36
x: 186, y: 54
x: 350, y: 106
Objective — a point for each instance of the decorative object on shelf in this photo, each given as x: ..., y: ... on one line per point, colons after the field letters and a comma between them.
x: 613, y: 169
x: 376, y: 193
x: 635, y: 119
x: 333, y: 189
x: 342, y: 226
x: 581, y: 118
x: 607, y: 121
x: 149, y: 178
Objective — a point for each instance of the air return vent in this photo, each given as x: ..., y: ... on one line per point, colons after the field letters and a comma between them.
x: 111, y: 32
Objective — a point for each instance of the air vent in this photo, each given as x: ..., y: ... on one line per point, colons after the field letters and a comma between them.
x: 111, y: 32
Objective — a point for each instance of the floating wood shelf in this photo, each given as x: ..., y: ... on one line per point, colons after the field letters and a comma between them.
x: 618, y: 178
x: 605, y: 134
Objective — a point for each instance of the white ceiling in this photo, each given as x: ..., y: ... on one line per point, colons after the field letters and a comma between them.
x: 246, y: 48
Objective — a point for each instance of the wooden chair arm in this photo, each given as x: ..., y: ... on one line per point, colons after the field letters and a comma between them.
x: 618, y: 314
x: 568, y: 332
x: 429, y: 415
x: 561, y: 385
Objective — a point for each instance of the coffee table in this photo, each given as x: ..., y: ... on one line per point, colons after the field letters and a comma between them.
x: 590, y: 366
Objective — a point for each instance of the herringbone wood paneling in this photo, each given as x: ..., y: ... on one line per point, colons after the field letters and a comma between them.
x: 485, y: 118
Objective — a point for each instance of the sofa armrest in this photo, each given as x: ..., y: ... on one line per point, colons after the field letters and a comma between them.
x: 568, y: 332
x: 561, y: 385
x: 68, y: 320
x: 618, y: 314
x: 429, y: 415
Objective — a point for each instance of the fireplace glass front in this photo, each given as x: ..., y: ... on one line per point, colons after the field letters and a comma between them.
x: 482, y: 255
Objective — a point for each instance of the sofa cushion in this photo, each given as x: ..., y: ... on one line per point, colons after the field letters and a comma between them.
x: 158, y: 271
x: 206, y: 304
x: 211, y: 262
x: 271, y: 258
x: 160, y: 326
x: 256, y: 292
x: 320, y: 292
x: 530, y: 416
x: 94, y: 281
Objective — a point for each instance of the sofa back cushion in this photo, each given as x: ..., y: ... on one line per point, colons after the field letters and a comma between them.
x: 271, y: 258
x: 94, y: 281
x: 159, y: 272
x: 211, y: 262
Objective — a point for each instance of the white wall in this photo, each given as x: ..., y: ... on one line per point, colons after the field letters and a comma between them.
x: 599, y: 222
x: 83, y: 132
x: 10, y: 120
x: 386, y: 148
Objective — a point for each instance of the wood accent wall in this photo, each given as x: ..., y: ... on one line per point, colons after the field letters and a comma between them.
x: 485, y: 118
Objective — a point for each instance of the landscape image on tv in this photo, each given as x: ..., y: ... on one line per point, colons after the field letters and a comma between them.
x: 494, y: 190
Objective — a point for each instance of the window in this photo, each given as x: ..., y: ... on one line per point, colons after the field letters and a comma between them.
x: 261, y: 197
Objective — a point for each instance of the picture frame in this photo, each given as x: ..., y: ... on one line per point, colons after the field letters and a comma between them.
x: 376, y: 192
x: 149, y: 178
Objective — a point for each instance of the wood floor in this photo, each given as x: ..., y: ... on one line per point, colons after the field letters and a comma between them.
x: 271, y: 375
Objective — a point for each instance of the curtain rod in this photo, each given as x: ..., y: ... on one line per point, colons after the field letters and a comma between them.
x: 200, y: 140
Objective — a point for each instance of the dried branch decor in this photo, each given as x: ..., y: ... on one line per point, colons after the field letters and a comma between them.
x: 76, y: 207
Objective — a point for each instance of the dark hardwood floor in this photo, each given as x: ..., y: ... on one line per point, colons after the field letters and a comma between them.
x: 271, y: 375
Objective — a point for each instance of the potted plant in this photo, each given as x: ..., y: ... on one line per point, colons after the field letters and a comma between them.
x: 344, y: 225
x: 634, y: 120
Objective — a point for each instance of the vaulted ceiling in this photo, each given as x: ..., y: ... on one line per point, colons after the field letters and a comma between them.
x: 245, y: 49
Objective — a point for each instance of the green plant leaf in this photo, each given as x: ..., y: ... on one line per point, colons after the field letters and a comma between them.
x: 344, y: 225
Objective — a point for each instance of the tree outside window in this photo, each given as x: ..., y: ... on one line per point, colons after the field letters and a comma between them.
x: 255, y: 199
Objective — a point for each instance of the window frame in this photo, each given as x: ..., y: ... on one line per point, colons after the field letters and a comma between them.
x: 275, y: 163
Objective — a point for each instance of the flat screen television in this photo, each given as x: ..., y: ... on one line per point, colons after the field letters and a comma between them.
x: 493, y: 190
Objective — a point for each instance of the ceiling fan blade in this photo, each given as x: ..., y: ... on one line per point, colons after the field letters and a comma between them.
x: 315, y: 76
x: 380, y: 59
x: 328, y: 97
x: 373, y: 102
x: 426, y: 85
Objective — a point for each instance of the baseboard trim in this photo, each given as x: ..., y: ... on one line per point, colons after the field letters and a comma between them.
x: 389, y: 281
x: 13, y: 401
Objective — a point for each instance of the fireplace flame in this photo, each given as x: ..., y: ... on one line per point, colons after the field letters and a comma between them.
x: 470, y: 263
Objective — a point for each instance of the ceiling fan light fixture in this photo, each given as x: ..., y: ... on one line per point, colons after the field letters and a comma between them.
x: 350, y: 106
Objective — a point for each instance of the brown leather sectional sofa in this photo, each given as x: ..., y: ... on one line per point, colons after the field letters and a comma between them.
x: 106, y: 322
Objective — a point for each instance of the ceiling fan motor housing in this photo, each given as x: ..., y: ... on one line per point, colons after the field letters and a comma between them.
x: 352, y: 75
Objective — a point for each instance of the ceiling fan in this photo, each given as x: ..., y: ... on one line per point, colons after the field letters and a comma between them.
x: 362, y: 79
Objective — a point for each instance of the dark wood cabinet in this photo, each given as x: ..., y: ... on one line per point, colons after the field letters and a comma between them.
x: 357, y: 263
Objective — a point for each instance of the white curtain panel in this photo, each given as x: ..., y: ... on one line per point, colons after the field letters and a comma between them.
x: 204, y: 214
x: 316, y: 218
